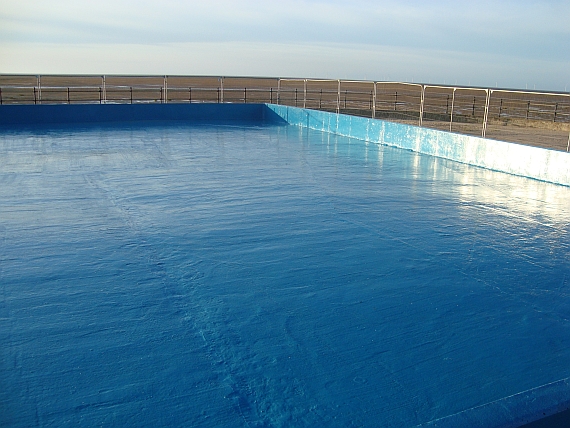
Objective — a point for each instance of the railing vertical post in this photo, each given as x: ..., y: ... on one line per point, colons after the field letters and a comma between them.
x: 305, y: 94
x: 422, y: 104
x: 39, y: 89
x: 568, y: 145
x: 338, y: 98
x: 527, y: 110
x: 486, y: 115
x: 131, y: 94
x: 295, y: 97
x: 190, y: 94
x: 165, y: 89
x: 104, y: 90
x: 555, y: 111
x: 68, y: 101
x: 452, y: 105
x: 395, y: 100
x: 374, y: 102
x: 100, y: 96
x: 270, y: 95
x: 1, y: 101
x: 321, y: 99
x: 244, y: 95
x: 278, y: 90
x: 35, y: 102
x: 500, y: 108
x: 221, y: 91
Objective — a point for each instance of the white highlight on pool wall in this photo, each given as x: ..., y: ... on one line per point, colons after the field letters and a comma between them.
x: 542, y: 164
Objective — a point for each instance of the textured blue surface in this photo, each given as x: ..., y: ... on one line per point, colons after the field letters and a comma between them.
x: 273, y: 276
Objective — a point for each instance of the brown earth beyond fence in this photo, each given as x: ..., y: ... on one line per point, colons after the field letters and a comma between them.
x: 528, y: 117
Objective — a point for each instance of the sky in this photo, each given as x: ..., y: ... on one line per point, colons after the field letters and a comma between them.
x: 508, y: 44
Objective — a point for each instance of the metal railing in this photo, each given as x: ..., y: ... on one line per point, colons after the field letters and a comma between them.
x: 530, y: 117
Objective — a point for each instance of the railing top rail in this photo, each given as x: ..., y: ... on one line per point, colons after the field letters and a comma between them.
x: 514, y: 91
x: 300, y: 79
x: 456, y: 88
x: 356, y: 81
x: 387, y: 82
x: 284, y: 79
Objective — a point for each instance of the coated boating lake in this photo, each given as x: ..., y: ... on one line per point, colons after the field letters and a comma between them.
x: 175, y: 275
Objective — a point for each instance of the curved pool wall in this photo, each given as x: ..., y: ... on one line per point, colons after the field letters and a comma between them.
x: 527, y: 161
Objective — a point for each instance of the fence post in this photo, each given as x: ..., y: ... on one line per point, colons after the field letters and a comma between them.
x: 452, y: 104
x: 68, y: 101
x: 40, y: 89
x: 190, y: 94
x: 221, y: 91
x: 104, y: 90
x: 486, y: 115
x: 374, y: 102
x: 295, y: 97
x: 555, y: 111
x: 321, y: 99
x: 131, y: 94
x: 395, y: 100
x: 165, y: 90
x: 244, y: 95
x: 35, y: 95
x: 527, y: 110
x: 270, y: 95
x: 305, y: 93
x: 1, y: 97
x: 422, y: 104
x: 100, y: 96
x: 278, y: 90
x: 338, y: 98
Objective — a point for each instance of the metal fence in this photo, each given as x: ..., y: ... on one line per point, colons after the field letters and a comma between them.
x: 529, y: 117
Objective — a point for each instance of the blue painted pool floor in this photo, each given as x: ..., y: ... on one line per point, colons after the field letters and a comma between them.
x: 269, y: 276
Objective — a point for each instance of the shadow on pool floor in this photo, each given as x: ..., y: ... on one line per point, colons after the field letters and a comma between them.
x: 557, y: 420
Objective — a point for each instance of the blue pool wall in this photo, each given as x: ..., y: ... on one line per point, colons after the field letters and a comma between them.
x: 527, y: 161
x: 45, y: 114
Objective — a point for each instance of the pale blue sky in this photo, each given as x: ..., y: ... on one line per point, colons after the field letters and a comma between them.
x: 486, y: 43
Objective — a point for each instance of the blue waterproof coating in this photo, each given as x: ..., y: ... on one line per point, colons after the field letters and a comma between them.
x: 527, y: 161
x: 268, y: 275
